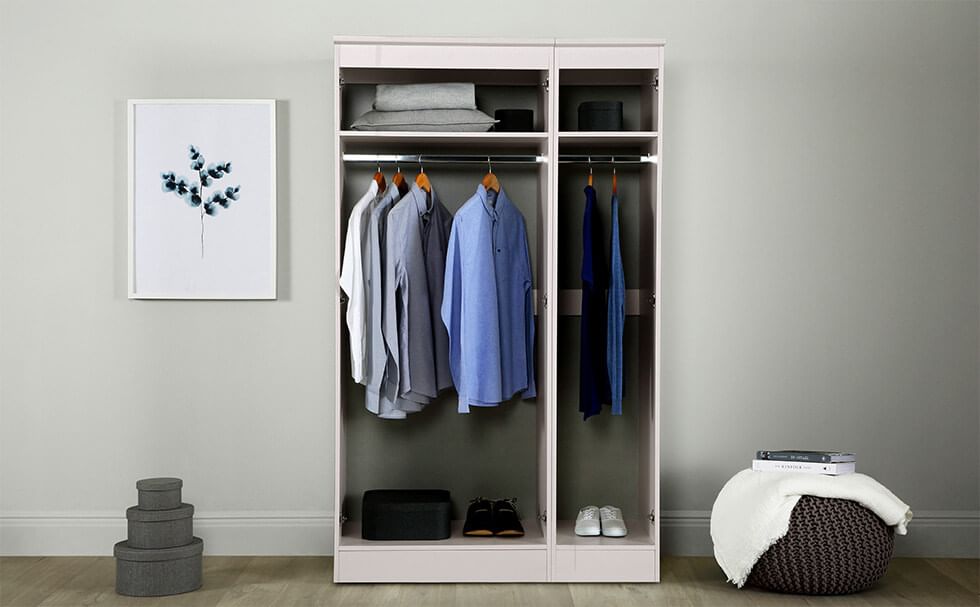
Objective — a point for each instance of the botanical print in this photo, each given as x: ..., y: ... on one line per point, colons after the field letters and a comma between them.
x: 202, y: 199
x: 193, y: 193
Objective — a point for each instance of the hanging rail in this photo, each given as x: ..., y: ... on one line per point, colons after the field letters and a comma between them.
x: 497, y: 159
x: 447, y: 158
x: 607, y: 159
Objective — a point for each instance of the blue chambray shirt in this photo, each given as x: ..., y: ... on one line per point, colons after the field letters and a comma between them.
x: 486, y: 305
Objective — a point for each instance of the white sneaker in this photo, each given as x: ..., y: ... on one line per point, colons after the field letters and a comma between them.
x: 613, y: 524
x: 587, y: 521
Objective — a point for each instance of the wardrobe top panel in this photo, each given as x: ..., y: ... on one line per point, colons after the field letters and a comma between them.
x: 443, y: 41
x: 468, y: 54
x: 494, y: 53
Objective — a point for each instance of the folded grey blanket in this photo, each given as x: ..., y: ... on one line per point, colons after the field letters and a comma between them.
x: 434, y: 96
x: 424, y: 120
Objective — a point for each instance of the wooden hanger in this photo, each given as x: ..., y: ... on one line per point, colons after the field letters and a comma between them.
x: 398, y: 180
x: 422, y: 180
x: 490, y: 180
x: 614, y: 176
x: 379, y: 177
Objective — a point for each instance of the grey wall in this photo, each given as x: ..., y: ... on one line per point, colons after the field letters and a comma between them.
x: 820, y: 279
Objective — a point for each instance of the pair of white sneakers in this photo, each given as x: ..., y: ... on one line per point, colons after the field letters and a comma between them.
x: 607, y: 520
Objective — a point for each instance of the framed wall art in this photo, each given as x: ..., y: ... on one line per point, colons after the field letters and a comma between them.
x: 202, y: 198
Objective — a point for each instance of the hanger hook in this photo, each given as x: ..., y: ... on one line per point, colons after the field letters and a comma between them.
x: 612, y: 160
x: 489, y: 166
x: 421, y: 168
x: 590, y: 164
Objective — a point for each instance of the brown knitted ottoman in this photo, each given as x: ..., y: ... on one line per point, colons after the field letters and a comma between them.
x: 833, y: 546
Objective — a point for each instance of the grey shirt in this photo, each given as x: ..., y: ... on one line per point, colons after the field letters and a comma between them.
x: 378, y: 398
x: 414, y: 270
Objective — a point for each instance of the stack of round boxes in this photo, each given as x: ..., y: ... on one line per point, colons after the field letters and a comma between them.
x: 161, y: 556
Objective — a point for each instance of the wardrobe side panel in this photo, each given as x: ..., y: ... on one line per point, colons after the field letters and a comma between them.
x: 340, y: 464
x: 658, y: 312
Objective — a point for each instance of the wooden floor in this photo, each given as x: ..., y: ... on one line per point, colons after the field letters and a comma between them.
x: 278, y: 581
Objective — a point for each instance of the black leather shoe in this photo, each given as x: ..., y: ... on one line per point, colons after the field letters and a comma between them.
x: 479, y: 518
x: 506, y: 522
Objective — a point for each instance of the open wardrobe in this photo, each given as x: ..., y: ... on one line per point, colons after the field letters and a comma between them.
x: 497, y: 267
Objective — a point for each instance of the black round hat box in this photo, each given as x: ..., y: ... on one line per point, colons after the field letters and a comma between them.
x: 600, y: 116
x: 514, y: 120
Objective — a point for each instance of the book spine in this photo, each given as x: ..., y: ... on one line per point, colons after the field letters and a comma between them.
x: 794, y: 456
x: 762, y: 465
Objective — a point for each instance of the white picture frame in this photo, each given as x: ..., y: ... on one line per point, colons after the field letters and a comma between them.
x: 163, y: 256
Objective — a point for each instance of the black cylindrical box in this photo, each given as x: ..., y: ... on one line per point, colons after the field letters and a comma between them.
x: 600, y: 116
x: 514, y: 120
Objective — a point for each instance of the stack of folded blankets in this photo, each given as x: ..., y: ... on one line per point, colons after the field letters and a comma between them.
x: 447, y: 106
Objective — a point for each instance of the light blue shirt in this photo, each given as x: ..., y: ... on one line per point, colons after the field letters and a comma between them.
x: 487, y: 305
x: 616, y: 315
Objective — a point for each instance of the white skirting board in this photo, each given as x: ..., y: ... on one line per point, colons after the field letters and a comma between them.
x: 936, y: 533
x: 932, y: 533
x: 224, y: 533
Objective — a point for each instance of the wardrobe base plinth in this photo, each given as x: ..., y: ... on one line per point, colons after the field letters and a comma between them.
x: 437, y: 566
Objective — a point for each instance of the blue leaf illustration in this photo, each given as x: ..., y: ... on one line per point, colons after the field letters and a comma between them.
x: 192, y: 193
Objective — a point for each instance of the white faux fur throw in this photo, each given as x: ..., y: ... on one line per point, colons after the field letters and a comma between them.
x: 752, y: 511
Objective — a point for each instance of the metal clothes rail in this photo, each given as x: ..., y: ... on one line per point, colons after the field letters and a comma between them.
x: 423, y: 159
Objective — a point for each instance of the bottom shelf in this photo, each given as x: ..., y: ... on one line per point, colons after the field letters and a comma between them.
x: 606, y: 559
x: 457, y: 559
x: 463, y: 559
x: 637, y: 538
x: 532, y: 539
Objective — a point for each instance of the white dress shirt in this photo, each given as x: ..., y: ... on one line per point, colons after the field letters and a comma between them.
x: 353, y: 282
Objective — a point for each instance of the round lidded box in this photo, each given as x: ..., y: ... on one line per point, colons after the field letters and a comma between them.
x: 150, y: 529
x: 159, y: 493
x: 600, y: 116
x: 158, y: 572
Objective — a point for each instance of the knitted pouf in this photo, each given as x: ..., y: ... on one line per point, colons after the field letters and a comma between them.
x: 833, y: 546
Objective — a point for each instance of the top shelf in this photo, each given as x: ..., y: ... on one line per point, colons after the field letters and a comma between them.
x: 442, y: 137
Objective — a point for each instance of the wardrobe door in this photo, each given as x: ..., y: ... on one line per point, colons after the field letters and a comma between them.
x: 608, y: 459
x: 493, y: 452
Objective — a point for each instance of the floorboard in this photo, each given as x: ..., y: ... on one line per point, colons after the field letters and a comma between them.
x: 296, y: 581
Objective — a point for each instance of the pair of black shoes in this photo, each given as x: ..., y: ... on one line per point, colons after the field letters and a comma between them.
x: 492, y: 517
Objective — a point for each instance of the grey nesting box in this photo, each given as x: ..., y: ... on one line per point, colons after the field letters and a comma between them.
x: 160, y: 556
x: 159, y: 493
x: 158, y: 572
x: 160, y: 528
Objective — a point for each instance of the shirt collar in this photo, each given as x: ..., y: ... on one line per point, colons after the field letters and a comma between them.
x: 418, y: 195
x: 493, y: 210
x: 390, y: 195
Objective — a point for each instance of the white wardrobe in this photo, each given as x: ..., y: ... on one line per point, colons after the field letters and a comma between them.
x: 540, y: 451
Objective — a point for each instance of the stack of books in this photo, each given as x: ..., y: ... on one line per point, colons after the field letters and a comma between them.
x: 813, y: 462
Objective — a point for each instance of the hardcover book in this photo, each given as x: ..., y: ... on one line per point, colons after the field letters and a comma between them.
x: 825, y: 457
x: 768, y: 465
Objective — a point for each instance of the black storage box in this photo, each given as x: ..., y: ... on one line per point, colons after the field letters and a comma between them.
x: 406, y: 514
x: 514, y: 120
x: 600, y: 116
